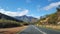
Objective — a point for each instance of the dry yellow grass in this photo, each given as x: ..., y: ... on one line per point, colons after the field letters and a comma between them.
x: 12, y: 30
x: 53, y: 26
x: 57, y: 27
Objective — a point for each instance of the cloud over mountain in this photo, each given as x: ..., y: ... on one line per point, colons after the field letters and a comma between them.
x: 16, y: 13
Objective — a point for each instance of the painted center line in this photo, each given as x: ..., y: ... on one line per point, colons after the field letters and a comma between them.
x: 39, y: 30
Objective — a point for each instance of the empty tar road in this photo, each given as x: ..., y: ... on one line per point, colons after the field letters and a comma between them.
x: 37, y: 30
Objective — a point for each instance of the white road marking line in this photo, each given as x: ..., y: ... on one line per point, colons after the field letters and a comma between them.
x: 39, y: 30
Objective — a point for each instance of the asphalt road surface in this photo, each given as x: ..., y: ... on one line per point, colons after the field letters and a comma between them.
x: 31, y: 29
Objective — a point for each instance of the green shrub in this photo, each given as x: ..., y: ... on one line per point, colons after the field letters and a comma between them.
x: 8, y: 23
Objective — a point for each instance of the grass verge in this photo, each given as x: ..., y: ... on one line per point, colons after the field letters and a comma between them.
x: 54, y: 27
x: 12, y: 30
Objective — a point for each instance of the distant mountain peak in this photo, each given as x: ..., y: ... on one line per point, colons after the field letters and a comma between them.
x: 27, y: 18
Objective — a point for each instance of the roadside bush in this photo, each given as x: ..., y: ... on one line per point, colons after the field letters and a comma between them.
x: 8, y: 24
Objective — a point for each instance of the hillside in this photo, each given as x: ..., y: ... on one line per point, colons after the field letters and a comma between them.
x: 53, y: 18
x: 7, y: 21
x: 3, y: 16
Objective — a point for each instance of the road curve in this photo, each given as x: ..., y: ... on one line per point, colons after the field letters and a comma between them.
x: 31, y: 29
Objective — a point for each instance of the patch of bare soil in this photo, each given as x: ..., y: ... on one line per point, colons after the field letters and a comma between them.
x: 11, y: 30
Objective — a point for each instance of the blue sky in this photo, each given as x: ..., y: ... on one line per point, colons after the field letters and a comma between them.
x: 35, y: 8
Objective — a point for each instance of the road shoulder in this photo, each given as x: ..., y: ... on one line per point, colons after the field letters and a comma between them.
x: 11, y: 30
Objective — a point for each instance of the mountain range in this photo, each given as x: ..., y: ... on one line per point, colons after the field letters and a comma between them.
x: 28, y: 19
x: 24, y: 18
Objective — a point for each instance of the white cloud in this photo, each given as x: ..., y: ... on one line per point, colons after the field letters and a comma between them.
x: 49, y: 0
x: 38, y: 7
x: 37, y: 16
x: 16, y: 13
x: 30, y: 15
x: 28, y: 1
x: 52, y: 5
x: 19, y: 9
x: 33, y: 15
